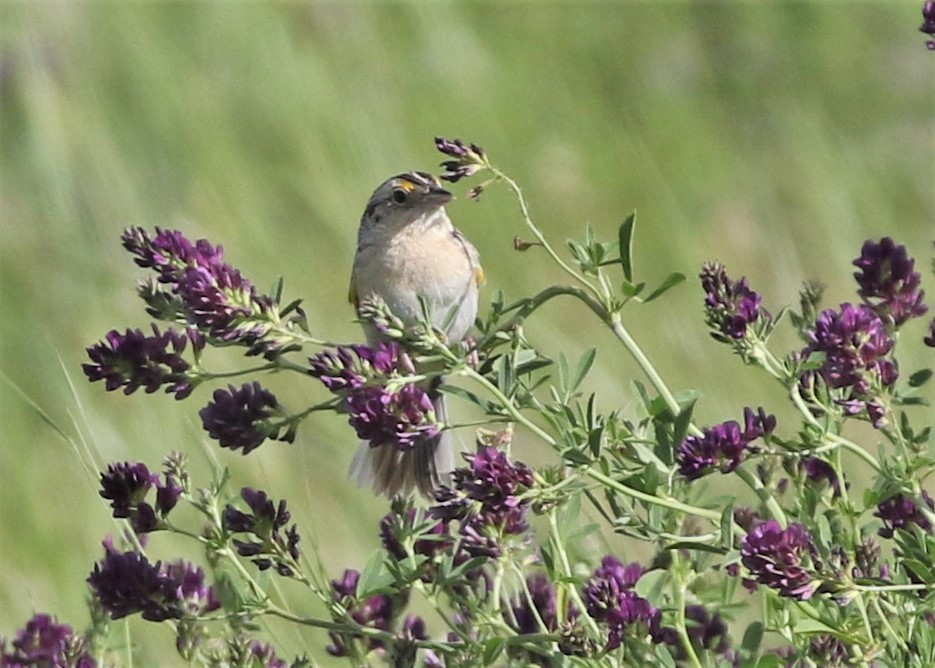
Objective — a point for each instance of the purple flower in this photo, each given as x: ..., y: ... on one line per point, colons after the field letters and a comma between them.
x: 781, y: 559
x: 494, y: 480
x: 889, y: 283
x: 207, y: 292
x: 351, y: 367
x: 44, y: 642
x: 127, y: 583
x: 899, y: 512
x: 375, y: 612
x: 263, y: 655
x: 723, y: 446
x: 930, y: 339
x: 126, y: 485
x: 731, y: 307
x: 525, y: 617
x: 707, y: 631
x: 818, y: 470
x: 265, y: 523
x: 855, y: 345
x: 170, y: 253
x: 402, y: 419
x: 242, y: 418
x: 134, y: 360
x: 496, y: 483
x: 928, y: 23
x: 610, y: 599
x: 467, y: 159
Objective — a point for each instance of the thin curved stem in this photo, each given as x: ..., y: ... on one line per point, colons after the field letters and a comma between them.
x: 672, y: 504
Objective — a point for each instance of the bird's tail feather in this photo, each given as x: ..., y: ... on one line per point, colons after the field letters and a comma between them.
x: 393, y: 472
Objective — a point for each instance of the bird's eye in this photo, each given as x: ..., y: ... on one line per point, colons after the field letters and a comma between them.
x: 400, y: 196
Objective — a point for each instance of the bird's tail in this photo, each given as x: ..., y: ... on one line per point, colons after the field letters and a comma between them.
x: 392, y: 472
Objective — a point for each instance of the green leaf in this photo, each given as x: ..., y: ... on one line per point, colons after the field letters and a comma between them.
x: 632, y: 290
x: 584, y: 366
x: 920, y: 378
x: 374, y: 578
x: 752, y: 638
x: 489, y: 407
x: 671, y: 281
x: 813, y: 626
x: 625, y: 235
x: 699, y: 547
x: 492, y: 649
x: 576, y: 457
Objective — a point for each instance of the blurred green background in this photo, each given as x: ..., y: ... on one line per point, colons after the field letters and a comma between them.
x: 773, y: 137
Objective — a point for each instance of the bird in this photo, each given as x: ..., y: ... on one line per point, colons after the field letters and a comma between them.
x: 409, y: 253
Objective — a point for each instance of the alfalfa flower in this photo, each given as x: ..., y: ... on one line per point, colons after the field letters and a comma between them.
x: 732, y: 309
x: 782, y: 559
x: 889, y: 283
x: 724, y: 446
x: 125, y: 583
x: 377, y: 611
x: 133, y: 360
x: 901, y: 513
x: 467, y: 159
x: 270, y: 543
x: 611, y: 600
x: 45, y: 642
x: 855, y: 346
x: 242, y: 418
x: 928, y: 23
x: 196, y: 286
x: 127, y: 484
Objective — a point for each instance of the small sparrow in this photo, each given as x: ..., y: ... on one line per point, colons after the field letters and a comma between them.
x: 407, y: 249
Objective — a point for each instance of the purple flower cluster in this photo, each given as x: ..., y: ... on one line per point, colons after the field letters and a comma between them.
x: 204, y: 290
x: 928, y: 23
x: 269, y: 545
x: 781, y: 559
x: 468, y: 159
x: 731, y: 307
x: 376, y: 612
x: 526, y: 613
x: 243, y: 418
x: 818, y: 470
x: 44, y: 642
x: 134, y: 360
x: 610, y: 599
x: 900, y: 513
x: 401, y: 418
x: 855, y: 345
x: 724, y: 446
x: 889, y: 283
x: 487, y: 499
x: 126, y: 485
x: 125, y: 583
x: 707, y: 631
x: 264, y: 655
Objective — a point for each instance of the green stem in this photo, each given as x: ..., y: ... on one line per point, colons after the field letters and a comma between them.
x: 507, y: 405
x: 827, y: 436
x: 616, y: 324
x: 681, y: 624
x: 559, y: 547
x: 889, y: 628
x: 763, y: 494
x: 540, y: 237
x: 672, y: 504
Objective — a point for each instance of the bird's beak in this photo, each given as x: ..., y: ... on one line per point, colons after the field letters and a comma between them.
x: 438, y: 196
